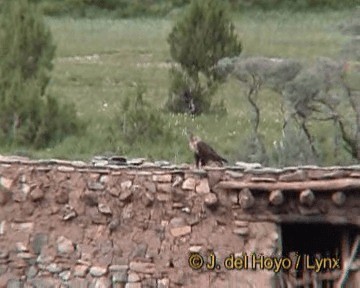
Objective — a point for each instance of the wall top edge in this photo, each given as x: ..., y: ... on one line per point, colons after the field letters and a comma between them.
x: 142, y: 164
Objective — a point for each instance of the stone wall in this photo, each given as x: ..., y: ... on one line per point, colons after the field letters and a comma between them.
x: 70, y: 224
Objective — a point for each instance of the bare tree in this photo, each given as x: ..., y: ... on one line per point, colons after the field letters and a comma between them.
x: 257, y: 73
x: 326, y: 92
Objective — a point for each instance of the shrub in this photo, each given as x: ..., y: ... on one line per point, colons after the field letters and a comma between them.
x: 197, y: 42
x: 28, y: 116
x: 139, y: 122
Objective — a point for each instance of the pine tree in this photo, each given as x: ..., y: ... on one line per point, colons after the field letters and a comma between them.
x: 26, y: 54
x: 197, y: 42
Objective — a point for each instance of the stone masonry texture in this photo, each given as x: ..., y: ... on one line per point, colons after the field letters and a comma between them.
x: 70, y: 224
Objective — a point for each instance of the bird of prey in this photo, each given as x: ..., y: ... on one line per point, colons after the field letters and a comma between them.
x: 203, y: 152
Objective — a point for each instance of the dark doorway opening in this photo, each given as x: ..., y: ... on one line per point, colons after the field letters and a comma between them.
x: 305, y: 242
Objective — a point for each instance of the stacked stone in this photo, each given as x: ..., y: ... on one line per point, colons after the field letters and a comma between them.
x: 133, y: 224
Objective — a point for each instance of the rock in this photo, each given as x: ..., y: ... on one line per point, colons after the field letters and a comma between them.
x: 263, y: 179
x: 100, y: 163
x: 240, y: 223
x: 195, y: 249
x: 5, y: 196
x: 37, y: 194
x: 139, y: 251
x: 136, y: 161
x: 323, y: 174
x: 67, y: 208
x: 179, y: 278
x: 164, y: 187
x: 163, y: 283
x: 81, y: 270
x: 64, y: 245
x: 45, y: 259
x: 248, y: 166
x: 4, y: 254
x: 25, y: 255
x: 114, y: 223
x: 105, y: 209
x: 105, y: 254
x: 162, y: 178
x: 307, y: 197
x: 193, y: 219
x: 116, y: 268
x: 62, y: 196
x: 127, y: 211
x: 246, y: 199
x: 45, y: 282
x: 298, y: 175
x: 178, y: 180
x: 54, y: 268
x: 65, y: 275
x: 147, y: 199
x: 133, y: 285
x: 189, y: 184
x: 117, y: 160
x: 38, y: 242
x: 126, y: 185
x: 14, y: 283
x: 181, y: 231
x: 66, y: 169
x: 114, y: 191
x: 90, y: 198
x: 276, y: 197
x: 31, y: 273
x: 102, y: 282
x: 125, y: 195
x: 150, y: 186
x: 186, y: 210
x: 78, y: 283
x: 6, y: 182
x: 21, y: 247
x: 235, y: 175
x: 98, y: 271
x: 78, y: 163
x: 234, y: 197
x: 104, y: 179
x: 177, y: 205
x: 133, y: 277
x: 210, y: 199
x: 26, y: 227
x: 148, y: 283
x: 339, y: 198
x: 142, y: 267
x: 162, y: 163
x: 163, y: 197
x: 241, y: 231
x: 28, y: 209
x: 69, y: 215
x: 94, y: 185
x: 177, y: 222
x: 120, y: 277
x: 203, y: 186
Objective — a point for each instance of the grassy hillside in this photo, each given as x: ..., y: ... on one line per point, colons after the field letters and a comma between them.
x: 99, y: 62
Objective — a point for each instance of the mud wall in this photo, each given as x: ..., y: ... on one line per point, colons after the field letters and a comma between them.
x: 70, y: 224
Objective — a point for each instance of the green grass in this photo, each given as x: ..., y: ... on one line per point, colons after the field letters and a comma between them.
x: 101, y: 61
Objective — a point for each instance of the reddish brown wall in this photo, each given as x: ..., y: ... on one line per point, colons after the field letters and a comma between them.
x: 69, y: 224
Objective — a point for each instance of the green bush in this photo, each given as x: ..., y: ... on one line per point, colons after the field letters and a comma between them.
x: 202, y: 37
x: 28, y: 116
x: 138, y: 122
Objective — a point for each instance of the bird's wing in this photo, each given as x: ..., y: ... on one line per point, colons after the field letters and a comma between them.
x: 206, y: 149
